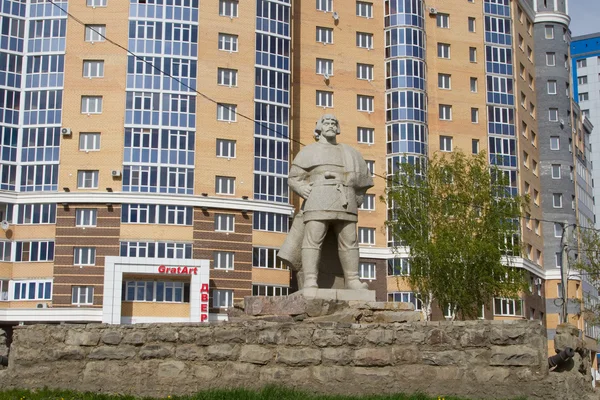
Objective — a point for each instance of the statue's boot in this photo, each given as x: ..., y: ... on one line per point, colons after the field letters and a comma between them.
x: 349, y: 260
x: 310, y: 267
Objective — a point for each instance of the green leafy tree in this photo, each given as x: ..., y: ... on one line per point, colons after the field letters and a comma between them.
x: 460, y: 222
x: 586, y: 264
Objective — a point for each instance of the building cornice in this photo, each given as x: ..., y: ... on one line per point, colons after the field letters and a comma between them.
x: 144, y: 198
x: 555, y: 17
x: 530, y: 12
x: 70, y: 314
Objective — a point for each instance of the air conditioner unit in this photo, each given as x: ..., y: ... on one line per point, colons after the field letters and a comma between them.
x: 41, y: 305
x: 65, y: 131
x: 335, y: 16
x: 433, y: 10
x: 115, y: 172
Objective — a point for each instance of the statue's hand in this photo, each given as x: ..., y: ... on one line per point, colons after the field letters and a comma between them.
x: 304, y: 192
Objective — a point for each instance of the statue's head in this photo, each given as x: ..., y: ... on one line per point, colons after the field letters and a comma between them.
x: 326, y: 118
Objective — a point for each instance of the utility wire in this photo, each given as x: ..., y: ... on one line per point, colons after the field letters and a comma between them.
x: 281, y: 135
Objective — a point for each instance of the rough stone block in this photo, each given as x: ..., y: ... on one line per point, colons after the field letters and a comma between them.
x: 135, y: 338
x: 327, y: 338
x: 328, y: 374
x: 187, y: 335
x: 406, y: 355
x: 443, y: 358
x: 204, y: 335
x: 256, y: 354
x: 297, y: 336
x: 507, y: 334
x: 162, y: 334
x: 190, y: 352
x: 227, y: 334
x: 383, y: 317
x: 372, y: 357
x: 337, y: 356
x: 491, y: 374
x: 205, y: 372
x: 112, y: 353
x: 222, y: 352
x: 160, y: 350
x: 171, y: 369
x: 111, y: 337
x: 67, y: 353
x: 82, y: 338
x: 380, y: 336
x: 299, y: 357
x: 514, y: 356
x: 284, y: 305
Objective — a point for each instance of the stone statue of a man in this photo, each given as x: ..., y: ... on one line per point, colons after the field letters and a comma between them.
x: 332, y: 178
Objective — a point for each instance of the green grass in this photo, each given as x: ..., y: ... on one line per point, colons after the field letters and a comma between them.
x: 269, y: 393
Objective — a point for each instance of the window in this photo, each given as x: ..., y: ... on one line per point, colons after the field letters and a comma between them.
x: 551, y: 87
x: 324, y: 67
x: 445, y: 112
x: 398, y: 267
x: 473, y: 54
x: 264, y: 257
x: 224, y: 185
x: 170, y: 250
x: 558, y: 259
x: 475, y: 115
x: 96, y: 3
x: 84, y: 256
x: 365, y: 103
x: 224, y: 222
x: 444, y: 81
x: 95, y: 33
x: 508, y: 307
x: 473, y: 84
x: 223, y: 260
x: 228, y: 42
x: 39, y: 213
x: 225, y: 148
x: 157, y: 291
x: 364, y: 9
x: 368, y: 202
x: 324, y: 35
x: 553, y: 114
x: 365, y: 135
x: 226, y: 112
x: 584, y: 96
x: 443, y: 20
x: 364, y: 40
x: 270, y: 290
x: 443, y: 50
x: 82, y: 295
x: 406, y: 297
x: 366, y: 271
x: 32, y: 290
x: 324, y: 99
x: 270, y: 222
x: 530, y: 81
x: 550, y: 59
x: 86, y: 217
x: 325, y: 5
x: 227, y: 77
x: 93, y: 69
x: 522, y: 71
x: 558, y: 229
x: 555, y: 171
x: 4, y: 290
x: 525, y: 159
x: 445, y: 143
x: 549, y: 32
x: 536, y: 197
x: 366, y: 236
x: 228, y: 8
x: 521, y: 42
x: 222, y: 298
x: 87, y: 179
x: 523, y: 100
x: 557, y: 200
x: 534, y: 167
x: 529, y: 54
x: 371, y: 166
x: 471, y: 24
x: 34, y: 251
x: 554, y: 143
x: 91, y: 104
x: 582, y: 63
x: 89, y: 141
x: 582, y: 80
x: 364, y: 71
x: 475, y: 146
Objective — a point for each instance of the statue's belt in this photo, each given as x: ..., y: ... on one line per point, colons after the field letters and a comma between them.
x: 340, y: 186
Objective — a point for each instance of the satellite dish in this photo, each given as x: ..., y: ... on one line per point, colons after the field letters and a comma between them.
x: 335, y: 16
x: 4, y: 224
x: 326, y: 76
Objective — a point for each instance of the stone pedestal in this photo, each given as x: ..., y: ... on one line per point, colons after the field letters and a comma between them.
x: 297, y: 307
x: 337, y: 294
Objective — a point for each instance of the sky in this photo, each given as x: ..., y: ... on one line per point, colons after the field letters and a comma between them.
x: 585, y: 16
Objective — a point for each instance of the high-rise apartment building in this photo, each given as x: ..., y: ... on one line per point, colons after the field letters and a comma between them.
x: 148, y: 136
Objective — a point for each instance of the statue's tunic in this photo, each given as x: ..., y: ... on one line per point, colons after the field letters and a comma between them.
x: 339, y: 178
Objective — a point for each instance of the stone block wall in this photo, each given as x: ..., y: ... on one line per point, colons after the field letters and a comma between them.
x: 479, y: 359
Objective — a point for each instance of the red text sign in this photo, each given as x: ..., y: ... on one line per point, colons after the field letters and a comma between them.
x: 178, y: 270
